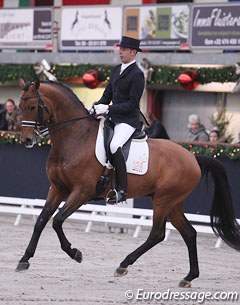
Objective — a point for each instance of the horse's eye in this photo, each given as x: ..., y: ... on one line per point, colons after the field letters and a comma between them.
x: 32, y: 108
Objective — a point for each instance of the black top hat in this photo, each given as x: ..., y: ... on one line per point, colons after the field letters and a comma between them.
x: 129, y: 42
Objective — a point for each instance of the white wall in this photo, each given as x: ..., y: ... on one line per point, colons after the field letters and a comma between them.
x: 12, y: 92
x: 178, y: 105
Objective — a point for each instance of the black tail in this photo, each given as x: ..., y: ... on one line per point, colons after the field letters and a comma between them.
x: 223, y: 220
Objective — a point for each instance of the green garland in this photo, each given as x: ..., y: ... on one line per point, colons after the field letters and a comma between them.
x: 214, y: 151
x: 162, y: 75
x: 166, y: 75
x: 13, y: 72
x: 7, y: 137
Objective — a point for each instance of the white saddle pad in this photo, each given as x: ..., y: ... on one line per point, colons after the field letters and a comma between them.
x: 137, y: 162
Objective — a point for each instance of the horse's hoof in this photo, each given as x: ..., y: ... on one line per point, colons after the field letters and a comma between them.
x: 120, y: 271
x: 78, y: 256
x: 185, y: 284
x: 22, y: 266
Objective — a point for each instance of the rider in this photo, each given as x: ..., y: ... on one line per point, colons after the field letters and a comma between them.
x: 124, y: 90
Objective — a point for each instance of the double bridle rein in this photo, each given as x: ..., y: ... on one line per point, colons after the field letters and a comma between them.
x: 41, y: 127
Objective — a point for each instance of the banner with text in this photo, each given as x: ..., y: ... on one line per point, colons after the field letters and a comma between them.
x: 87, y: 28
x: 215, y: 26
x: 26, y: 29
x: 158, y: 27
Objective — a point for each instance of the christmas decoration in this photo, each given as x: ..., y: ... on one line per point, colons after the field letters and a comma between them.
x: 221, y: 121
x: 42, y: 71
x: 91, y: 79
x: 188, y: 79
x: 160, y: 75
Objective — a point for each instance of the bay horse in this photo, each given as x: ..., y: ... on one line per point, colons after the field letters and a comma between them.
x: 74, y: 172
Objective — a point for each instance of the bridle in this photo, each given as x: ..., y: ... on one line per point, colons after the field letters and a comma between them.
x: 41, y: 127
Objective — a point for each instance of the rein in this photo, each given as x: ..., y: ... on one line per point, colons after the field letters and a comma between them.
x: 69, y: 120
x: 41, y: 127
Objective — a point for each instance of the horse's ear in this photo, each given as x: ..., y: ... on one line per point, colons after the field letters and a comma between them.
x: 37, y: 83
x: 21, y: 83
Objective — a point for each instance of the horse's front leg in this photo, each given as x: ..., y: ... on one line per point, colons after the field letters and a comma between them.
x: 53, y: 201
x: 75, y: 200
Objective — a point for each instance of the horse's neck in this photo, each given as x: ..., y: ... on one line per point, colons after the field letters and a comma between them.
x: 70, y: 121
x: 73, y: 128
x: 69, y: 112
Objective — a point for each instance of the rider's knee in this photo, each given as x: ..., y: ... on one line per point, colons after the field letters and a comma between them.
x: 114, y: 147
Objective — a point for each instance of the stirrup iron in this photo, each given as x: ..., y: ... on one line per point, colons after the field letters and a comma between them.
x: 114, y: 196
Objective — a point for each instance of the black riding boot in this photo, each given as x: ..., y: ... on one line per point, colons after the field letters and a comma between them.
x: 121, y: 177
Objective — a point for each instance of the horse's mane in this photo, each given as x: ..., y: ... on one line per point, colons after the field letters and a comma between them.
x: 67, y: 90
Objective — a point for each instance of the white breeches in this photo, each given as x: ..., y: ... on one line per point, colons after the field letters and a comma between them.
x: 122, y: 132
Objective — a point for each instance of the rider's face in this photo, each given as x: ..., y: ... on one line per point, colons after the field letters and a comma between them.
x: 127, y: 55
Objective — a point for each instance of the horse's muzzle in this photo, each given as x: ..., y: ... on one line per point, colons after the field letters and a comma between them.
x: 29, y: 143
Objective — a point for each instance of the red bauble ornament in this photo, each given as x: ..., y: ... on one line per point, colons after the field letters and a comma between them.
x: 188, y: 79
x: 91, y: 79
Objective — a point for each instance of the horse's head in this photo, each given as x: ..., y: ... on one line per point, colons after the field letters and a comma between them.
x: 34, y: 112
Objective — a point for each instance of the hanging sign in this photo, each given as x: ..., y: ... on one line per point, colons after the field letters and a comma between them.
x: 158, y: 27
x: 215, y: 26
x: 90, y: 28
x: 26, y: 29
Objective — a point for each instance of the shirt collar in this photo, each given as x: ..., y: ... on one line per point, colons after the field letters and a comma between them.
x: 124, y: 66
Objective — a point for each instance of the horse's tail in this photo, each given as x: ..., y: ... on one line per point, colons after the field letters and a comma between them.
x: 223, y: 220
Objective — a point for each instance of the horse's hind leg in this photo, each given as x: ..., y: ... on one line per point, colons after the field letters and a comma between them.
x: 188, y: 233
x: 156, y: 235
x: 52, y: 202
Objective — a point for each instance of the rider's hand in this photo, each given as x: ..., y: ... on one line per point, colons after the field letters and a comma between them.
x: 101, y: 109
x: 91, y: 110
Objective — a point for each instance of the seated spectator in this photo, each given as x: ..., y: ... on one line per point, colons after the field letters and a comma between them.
x: 214, y: 135
x: 156, y: 128
x: 13, y: 116
x: 3, y: 121
x: 197, y: 131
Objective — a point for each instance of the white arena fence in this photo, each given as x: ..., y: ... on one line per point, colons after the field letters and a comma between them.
x: 108, y: 214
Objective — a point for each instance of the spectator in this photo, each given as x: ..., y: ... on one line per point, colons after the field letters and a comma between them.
x: 214, y: 136
x: 197, y: 131
x: 156, y: 128
x: 3, y: 121
x: 13, y: 116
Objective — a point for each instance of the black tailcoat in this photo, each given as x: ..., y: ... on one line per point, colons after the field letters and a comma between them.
x: 125, y: 92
